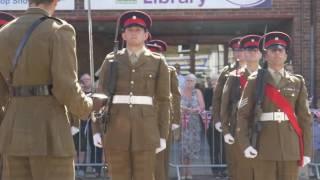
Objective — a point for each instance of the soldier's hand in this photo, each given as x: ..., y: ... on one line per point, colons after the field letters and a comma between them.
x: 306, y: 160
x: 218, y: 126
x: 163, y: 145
x: 74, y: 130
x: 97, y: 140
x: 250, y: 152
x: 228, y: 138
x: 99, y: 100
x: 174, y: 127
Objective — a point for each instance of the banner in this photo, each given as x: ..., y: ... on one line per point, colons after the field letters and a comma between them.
x: 12, y: 5
x: 177, y: 4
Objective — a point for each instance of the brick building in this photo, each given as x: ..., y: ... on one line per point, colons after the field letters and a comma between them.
x: 299, y: 18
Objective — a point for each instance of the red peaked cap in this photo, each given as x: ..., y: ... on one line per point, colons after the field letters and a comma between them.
x: 156, y: 43
x: 5, y: 18
x: 135, y: 18
x: 154, y: 47
x: 250, y: 41
x: 234, y: 43
x: 275, y: 39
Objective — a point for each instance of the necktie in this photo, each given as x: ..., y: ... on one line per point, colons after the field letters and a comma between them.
x: 133, y: 58
x: 277, y: 77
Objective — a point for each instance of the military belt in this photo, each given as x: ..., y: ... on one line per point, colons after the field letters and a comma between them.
x: 128, y: 99
x: 274, y: 116
x: 25, y: 91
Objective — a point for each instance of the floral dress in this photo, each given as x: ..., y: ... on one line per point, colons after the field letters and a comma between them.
x: 191, y: 128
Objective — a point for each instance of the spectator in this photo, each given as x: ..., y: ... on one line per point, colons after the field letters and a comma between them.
x: 192, y: 104
x: 181, y: 78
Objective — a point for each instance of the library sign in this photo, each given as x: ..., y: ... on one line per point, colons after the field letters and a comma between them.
x: 177, y: 4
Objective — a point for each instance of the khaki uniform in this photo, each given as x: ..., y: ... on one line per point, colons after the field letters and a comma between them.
x: 3, y: 103
x: 217, y: 94
x: 240, y: 167
x: 278, y: 145
x: 216, y: 106
x: 162, y: 159
x: 37, y: 127
x: 134, y: 131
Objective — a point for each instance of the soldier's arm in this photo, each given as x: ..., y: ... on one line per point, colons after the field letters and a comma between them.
x: 163, y: 98
x: 4, y: 97
x: 216, y: 100
x: 245, y: 112
x: 176, y: 97
x: 66, y: 88
x: 225, y: 108
x: 304, y: 117
x: 97, y: 125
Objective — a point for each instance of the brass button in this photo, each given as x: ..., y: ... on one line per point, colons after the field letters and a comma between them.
x: 150, y: 75
x: 131, y: 93
x: 133, y: 70
x: 131, y: 82
x: 130, y: 106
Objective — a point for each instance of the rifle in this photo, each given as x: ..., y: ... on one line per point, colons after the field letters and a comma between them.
x: 256, y: 126
x: 111, y: 79
x: 235, y: 97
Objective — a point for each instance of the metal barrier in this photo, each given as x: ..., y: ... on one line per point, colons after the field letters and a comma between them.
x: 208, y: 158
x: 314, y: 167
x: 211, y: 161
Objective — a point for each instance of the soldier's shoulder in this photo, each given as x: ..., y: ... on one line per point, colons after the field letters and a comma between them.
x: 296, y: 77
x: 155, y: 55
x: 172, y: 68
x: 111, y: 56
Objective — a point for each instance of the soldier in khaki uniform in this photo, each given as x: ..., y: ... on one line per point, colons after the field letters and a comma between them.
x: 4, y: 97
x: 284, y: 119
x: 35, y: 137
x: 234, y: 44
x: 138, y: 128
x: 162, y: 159
x: 229, y: 105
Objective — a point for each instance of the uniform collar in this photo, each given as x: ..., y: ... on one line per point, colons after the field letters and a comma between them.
x: 36, y: 10
x: 138, y: 53
x: 272, y: 71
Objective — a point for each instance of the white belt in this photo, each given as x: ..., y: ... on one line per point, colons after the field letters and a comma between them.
x: 274, y: 116
x: 126, y: 99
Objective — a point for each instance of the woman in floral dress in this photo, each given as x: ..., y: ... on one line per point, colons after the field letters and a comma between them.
x: 192, y: 104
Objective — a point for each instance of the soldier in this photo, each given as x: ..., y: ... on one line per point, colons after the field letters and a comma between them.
x: 4, y: 19
x: 162, y: 160
x: 283, y: 128
x: 229, y: 105
x: 137, y: 128
x: 41, y: 74
x: 234, y: 44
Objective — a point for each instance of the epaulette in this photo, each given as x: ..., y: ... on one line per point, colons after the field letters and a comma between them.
x: 156, y: 55
x: 172, y: 68
x: 59, y: 21
x: 299, y: 77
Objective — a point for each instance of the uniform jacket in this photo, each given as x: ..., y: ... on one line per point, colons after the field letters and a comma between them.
x: 137, y: 127
x: 217, y: 94
x: 276, y: 141
x: 226, y: 104
x: 175, y: 111
x: 39, y: 125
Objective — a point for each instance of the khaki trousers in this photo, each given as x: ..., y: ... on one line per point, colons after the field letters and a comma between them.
x: 38, y: 168
x: 231, y: 160
x: 162, y: 161
x: 276, y: 170
x: 126, y: 165
x: 1, y: 168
